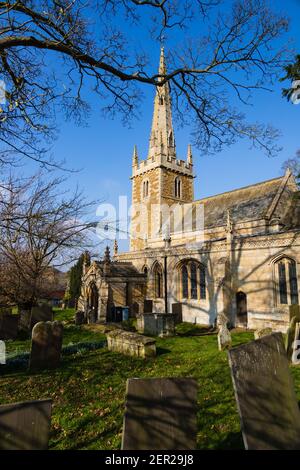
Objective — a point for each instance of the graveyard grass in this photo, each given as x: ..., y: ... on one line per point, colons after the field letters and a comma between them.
x: 88, y: 389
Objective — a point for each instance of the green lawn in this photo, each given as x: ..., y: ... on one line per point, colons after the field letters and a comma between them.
x: 72, y: 334
x: 88, y: 389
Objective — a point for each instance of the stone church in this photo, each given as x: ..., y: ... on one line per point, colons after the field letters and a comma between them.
x: 235, y: 253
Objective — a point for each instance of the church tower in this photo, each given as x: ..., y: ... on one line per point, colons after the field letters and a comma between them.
x: 161, y: 180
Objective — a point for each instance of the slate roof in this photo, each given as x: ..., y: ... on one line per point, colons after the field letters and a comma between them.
x: 244, y: 204
x: 121, y: 269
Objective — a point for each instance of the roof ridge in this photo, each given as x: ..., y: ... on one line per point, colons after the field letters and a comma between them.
x: 240, y: 189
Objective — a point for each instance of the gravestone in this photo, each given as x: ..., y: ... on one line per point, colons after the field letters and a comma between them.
x: 177, y: 311
x: 265, y: 395
x: 148, y: 306
x: 79, y: 318
x: 46, y: 345
x: 160, y: 414
x: 25, y: 426
x: 9, y: 326
x: 156, y: 324
x: 224, y: 336
x: 25, y: 320
x: 290, y: 336
x: 2, y: 353
x: 41, y: 313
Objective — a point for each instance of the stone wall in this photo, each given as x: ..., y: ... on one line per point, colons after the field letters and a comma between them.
x: 131, y: 344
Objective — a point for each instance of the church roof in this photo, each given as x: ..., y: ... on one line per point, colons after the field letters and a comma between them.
x: 121, y: 269
x: 245, y: 204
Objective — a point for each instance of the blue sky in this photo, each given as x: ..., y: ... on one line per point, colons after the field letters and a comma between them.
x: 103, y: 149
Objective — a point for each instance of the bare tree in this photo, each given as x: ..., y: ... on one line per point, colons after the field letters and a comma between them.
x: 41, y: 226
x: 52, y: 50
x: 293, y: 164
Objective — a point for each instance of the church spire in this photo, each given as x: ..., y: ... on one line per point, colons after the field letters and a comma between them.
x: 135, y: 158
x: 162, y: 134
x: 189, y: 159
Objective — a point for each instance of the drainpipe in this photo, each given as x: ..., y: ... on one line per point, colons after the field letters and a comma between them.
x: 166, y: 284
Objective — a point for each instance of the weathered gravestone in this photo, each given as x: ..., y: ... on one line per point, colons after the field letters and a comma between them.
x: 9, y: 326
x: 290, y: 337
x: 2, y: 352
x: 25, y: 320
x: 160, y: 414
x: 265, y: 395
x: 177, y: 311
x: 25, y: 426
x: 156, y: 324
x: 79, y: 318
x: 224, y: 336
x: 46, y: 345
x: 41, y: 313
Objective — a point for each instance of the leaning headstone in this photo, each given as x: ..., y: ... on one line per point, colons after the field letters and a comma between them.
x: 265, y: 395
x: 79, y: 318
x: 160, y: 414
x: 46, y: 345
x: 25, y: 426
x: 262, y: 332
x: 9, y: 326
x: 224, y: 336
x: 41, y: 313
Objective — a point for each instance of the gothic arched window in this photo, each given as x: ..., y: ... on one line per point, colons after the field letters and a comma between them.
x: 202, y: 279
x: 286, y: 279
x: 193, y: 281
x: 158, y: 281
x: 177, y: 187
x: 192, y: 276
x: 184, y: 282
x: 145, y: 188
